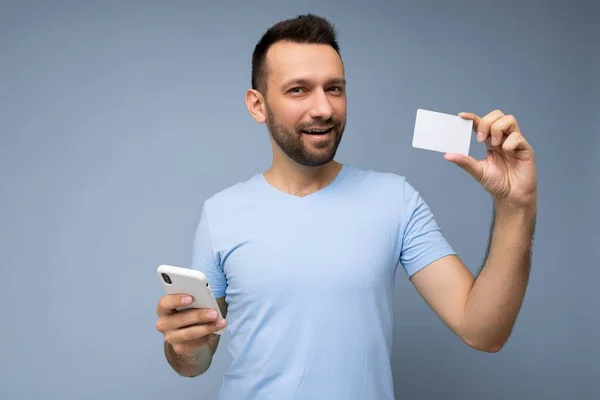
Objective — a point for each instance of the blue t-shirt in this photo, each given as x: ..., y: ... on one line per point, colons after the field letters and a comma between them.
x: 309, y: 281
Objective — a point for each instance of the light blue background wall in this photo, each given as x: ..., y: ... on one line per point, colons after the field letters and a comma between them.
x: 117, y: 119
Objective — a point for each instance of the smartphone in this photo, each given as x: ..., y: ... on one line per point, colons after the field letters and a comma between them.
x: 179, y: 280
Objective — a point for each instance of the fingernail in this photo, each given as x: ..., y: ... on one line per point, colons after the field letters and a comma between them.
x: 494, y: 141
x: 212, y: 314
x: 480, y: 137
x: 186, y: 300
x: 221, y: 323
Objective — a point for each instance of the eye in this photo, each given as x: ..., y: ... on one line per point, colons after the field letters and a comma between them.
x: 296, y: 90
x: 336, y: 89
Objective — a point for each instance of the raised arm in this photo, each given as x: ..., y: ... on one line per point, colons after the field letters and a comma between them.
x: 482, y: 311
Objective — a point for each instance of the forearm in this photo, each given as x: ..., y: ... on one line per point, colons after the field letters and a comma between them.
x: 497, y: 294
x: 190, y: 366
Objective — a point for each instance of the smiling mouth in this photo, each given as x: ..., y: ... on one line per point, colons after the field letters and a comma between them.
x: 317, y: 131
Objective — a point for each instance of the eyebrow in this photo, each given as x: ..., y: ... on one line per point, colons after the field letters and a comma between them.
x: 300, y: 81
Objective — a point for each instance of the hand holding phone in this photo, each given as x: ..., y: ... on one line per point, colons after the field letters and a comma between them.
x: 188, y: 315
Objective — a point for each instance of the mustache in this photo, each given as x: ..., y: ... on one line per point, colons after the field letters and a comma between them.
x: 331, y: 122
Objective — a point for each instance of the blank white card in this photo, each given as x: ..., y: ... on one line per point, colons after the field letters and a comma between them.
x: 441, y: 132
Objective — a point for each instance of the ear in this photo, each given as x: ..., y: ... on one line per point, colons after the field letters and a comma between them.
x: 254, y: 102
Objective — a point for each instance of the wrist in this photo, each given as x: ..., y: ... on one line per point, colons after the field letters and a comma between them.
x: 511, y: 209
x: 509, y: 217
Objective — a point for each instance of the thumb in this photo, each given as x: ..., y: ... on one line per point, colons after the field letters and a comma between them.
x: 468, y: 163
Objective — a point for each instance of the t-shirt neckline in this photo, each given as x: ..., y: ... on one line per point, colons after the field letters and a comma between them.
x: 336, y: 181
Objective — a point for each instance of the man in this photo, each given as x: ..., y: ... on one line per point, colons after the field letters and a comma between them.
x: 303, y: 257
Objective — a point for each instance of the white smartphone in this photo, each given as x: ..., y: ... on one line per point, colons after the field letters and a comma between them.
x: 179, y: 280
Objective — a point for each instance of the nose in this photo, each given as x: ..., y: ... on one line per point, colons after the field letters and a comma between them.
x: 321, y: 107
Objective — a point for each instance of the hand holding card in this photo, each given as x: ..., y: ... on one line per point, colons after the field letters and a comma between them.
x: 508, y: 171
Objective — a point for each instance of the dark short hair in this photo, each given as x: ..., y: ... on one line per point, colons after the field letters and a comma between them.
x: 308, y: 28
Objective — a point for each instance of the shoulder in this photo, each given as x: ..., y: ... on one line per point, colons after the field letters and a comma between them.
x: 391, y: 192
x: 234, y: 197
x: 390, y: 183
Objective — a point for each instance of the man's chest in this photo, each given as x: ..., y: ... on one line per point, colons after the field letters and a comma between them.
x: 287, y: 254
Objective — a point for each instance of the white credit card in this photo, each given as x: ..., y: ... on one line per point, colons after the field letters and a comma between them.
x: 441, y: 132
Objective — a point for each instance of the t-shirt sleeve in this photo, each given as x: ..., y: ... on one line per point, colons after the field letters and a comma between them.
x: 203, y: 256
x: 422, y: 239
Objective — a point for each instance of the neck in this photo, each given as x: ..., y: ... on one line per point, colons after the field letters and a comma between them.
x: 300, y: 180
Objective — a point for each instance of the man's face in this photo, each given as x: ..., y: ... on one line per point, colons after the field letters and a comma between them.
x: 306, y: 101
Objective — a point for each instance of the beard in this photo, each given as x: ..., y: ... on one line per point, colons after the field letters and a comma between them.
x: 291, y: 141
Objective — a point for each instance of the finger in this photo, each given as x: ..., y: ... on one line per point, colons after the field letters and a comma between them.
x: 470, y: 116
x: 168, y: 303
x: 502, y: 128
x: 473, y: 117
x: 468, y: 163
x: 515, y: 145
x: 190, y: 347
x: 186, y: 318
x: 194, y: 332
x: 485, y: 125
x: 194, y: 317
